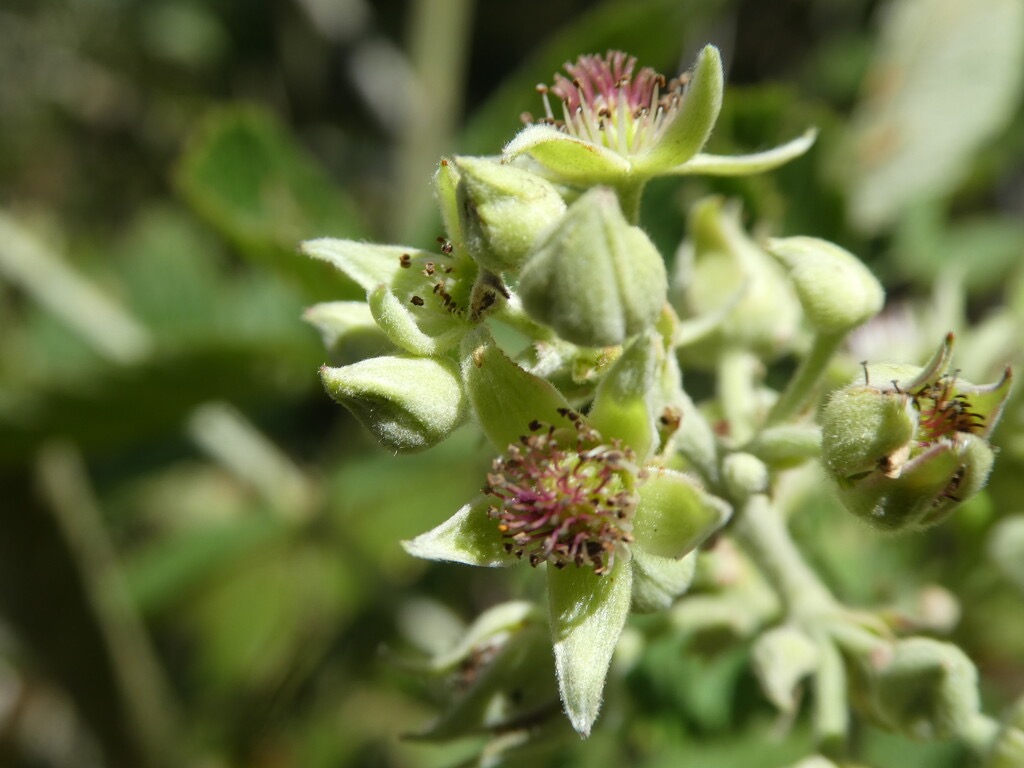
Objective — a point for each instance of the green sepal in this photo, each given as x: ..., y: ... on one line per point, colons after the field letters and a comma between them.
x: 659, y: 581
x: 621, y: 408
x: 446, y: 183
x: 493, y: 623
x: 587, y: 613
x: 745, y: 165
x: 928, y: 488
x: 837, y: 292
x: 506, y: 399
x: 595, y: 279
x: 690, y: 129
x: 781, y: 658
x: 927, y: 690
x: 367, y: 264
x: 409, y: 404
x: 410, y: 327
x: 675, y: 515
x: 504, y: 210
x: 568, y: 158
x: 470, y: 536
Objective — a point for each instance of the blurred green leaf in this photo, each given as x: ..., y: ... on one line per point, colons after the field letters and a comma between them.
x: 945, y: 78
x: 247, y: 176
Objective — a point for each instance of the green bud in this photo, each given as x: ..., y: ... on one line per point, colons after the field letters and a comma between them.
x: 504, y: 210
x: 836, y: 290
x: 658, y: 581
x: 744, y: 474
x: 907, y: 445
x: 595, y: 279
x: 407, y: 403
x: 927, y: 690
x: 782, y: 657
x: 722, y: 273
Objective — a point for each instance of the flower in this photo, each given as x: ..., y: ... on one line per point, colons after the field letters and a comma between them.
x: 618, y: 124
x: 576, y: 493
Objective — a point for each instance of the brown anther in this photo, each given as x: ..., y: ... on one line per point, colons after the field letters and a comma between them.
x: 417, y: 301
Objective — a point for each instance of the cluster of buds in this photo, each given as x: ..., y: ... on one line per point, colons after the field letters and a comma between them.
x: 608, y: 478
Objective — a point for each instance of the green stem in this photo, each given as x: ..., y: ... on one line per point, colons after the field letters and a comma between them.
x: 737, y: 375
x: 980, y: 734
x: 630, y: 195
x: 762, y: 533
x: 831, y: 710
x: 805, y: 381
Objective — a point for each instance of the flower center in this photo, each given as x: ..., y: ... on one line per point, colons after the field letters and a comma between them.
x: 564, y: 505
x: 943, y: 412
x: 604, y: 103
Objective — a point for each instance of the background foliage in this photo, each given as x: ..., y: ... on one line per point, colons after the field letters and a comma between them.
x: 198, y: 551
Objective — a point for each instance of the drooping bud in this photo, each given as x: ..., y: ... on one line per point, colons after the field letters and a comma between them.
x: 407, y: 403
x: 836, y: 290
x: 906, y: 446
x: 782, y: 657
x: 926, y: 690
x: 595, y: 279
x: 722, y: 273
x: 503, y: 211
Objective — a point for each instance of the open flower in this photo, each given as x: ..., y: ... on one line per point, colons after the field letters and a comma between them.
x: 573, y: 492
x: 614, y: 123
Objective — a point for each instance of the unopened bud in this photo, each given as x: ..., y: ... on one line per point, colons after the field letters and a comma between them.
x: 408, y: 403
x: 836, y: 290
x: 503, y: 211
x: 926, y: 690
x: 595, y: 279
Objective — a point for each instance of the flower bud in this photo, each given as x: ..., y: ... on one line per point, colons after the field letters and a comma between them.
x: 744, y: 474
x: 721, y: 271
x: 595, y: 279
x: 503, y: 210
x: 836, y: 290
x: 927, y: 690
x: 904, y: 453
x: 782, y: 657
x: 408, y: 403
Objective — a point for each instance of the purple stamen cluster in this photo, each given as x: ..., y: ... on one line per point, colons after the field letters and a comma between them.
x: 944, y: 412
x: 564, y: 505
x: 603, y: 102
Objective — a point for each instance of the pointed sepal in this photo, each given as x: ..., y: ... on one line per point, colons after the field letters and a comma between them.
x: 470, y: 536
x: 587, y: 614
